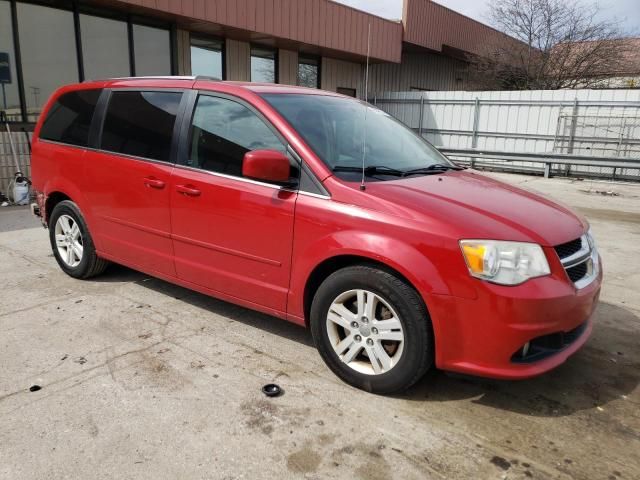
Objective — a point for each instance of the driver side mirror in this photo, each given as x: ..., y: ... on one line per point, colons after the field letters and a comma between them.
x: 266, y: 165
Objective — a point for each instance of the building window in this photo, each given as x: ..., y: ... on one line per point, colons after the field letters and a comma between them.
x: 349, y: 92
x: 141, y: 123
x: 263, y: 65
x: 152, y: 50
x: 309, y: 71
x: 105, y: 47
x: 9, y: 94
x: 49, y: 40
x: 48, y: 51
x: 207, y: 57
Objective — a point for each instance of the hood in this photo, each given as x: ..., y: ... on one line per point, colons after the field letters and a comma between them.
x: 476, y: 206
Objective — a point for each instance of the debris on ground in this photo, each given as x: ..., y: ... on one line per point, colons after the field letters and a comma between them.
x: 197, y: 364
x: 607, y: 193
x: 272, y: 390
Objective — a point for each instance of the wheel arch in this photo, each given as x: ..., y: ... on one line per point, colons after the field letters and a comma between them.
x: 332, y: 264
x: 53, y: 199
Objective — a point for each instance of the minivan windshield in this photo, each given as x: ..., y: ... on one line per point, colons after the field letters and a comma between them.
x: 341, y: 131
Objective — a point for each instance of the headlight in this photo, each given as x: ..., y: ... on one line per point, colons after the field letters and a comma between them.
x: 506, y: 263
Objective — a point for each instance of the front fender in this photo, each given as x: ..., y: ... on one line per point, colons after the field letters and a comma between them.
x: 392, y: 252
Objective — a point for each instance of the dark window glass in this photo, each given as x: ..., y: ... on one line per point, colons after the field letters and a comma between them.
x: 152, y: 50
x: 223, y: 131
x: 105, y: 47
x: 69, y: 119
x: 308, y: 72
x: 263, y: 65
x: 9, y: 98
x: 48, y: 52
x: 349, y: 92
x: 141, y: 123
x: 206, y: 57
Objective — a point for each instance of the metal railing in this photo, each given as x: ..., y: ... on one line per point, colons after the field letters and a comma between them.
x: 518, y: 161
x: 571, y: 133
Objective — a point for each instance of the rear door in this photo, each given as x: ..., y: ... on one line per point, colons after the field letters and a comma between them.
x: 231, y: 234
x: 128, y: 175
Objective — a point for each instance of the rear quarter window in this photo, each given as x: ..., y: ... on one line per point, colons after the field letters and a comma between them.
x: 69, y: 119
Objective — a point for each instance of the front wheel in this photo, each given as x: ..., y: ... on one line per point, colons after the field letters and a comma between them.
x: 372, y: 329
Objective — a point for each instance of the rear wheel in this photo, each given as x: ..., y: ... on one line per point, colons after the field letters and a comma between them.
x: 71, y: 242
x: 372, y: 329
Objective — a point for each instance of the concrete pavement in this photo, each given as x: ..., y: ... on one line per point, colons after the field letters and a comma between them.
x: 143, y: 379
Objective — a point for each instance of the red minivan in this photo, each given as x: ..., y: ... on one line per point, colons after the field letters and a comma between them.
x: 322, y: 210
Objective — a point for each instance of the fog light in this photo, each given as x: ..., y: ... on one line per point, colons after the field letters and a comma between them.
x: 525, y: 349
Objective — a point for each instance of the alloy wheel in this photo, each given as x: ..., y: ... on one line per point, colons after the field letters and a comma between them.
x: 69, y: 240
x: 365, y: 332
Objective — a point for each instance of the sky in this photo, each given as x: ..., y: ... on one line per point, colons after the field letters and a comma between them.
x: 626, y: 11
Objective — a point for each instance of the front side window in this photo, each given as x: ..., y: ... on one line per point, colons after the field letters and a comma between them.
x: 69, y: 119
x: 141, y: 123
x: 223, y: 131
x: 263, y: 65
x: 343, y: 132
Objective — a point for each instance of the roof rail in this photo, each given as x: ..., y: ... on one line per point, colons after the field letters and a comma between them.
x: 208, y: 77
x: 150, y: 77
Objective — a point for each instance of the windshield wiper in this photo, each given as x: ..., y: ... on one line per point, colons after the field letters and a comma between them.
x: 435, y: 168
x: 370, y: 170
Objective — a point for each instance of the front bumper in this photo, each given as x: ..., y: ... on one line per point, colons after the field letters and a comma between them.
x: 485, y: 336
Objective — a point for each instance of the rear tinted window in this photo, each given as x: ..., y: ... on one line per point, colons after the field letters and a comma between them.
x: 69, y: 120
x: 141, y: 123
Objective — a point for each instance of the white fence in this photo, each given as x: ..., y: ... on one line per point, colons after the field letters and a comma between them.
x: 597, y: 123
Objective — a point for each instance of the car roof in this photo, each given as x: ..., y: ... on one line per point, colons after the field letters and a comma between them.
x: 202, y: 81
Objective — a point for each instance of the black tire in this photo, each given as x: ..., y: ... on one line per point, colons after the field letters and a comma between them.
x: 418, y: 351
x: 90, y: 264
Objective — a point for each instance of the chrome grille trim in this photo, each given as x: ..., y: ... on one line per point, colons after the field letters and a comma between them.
x: 580, y: 256
x: 588, y: 255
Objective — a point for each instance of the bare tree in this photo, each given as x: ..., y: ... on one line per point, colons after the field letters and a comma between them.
x: 560, y: 44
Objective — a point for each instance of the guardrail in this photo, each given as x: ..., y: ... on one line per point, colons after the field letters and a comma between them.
x: 547, y: 159
x: 586, y: 129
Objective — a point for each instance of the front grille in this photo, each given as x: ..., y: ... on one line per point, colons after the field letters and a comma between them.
x: 567, y: 249
x: 578, y: 272
x: 577, y: 258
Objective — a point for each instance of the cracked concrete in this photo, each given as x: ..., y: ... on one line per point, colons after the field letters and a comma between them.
x: 143, y: 379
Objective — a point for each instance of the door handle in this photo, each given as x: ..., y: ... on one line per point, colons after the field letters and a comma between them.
x: 153, y: 182
x: 188, y: 190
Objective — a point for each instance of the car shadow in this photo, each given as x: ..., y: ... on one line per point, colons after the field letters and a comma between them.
x: 120, y: 274
x: 605, y: 369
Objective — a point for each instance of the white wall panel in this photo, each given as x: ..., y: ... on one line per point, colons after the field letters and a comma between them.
x: 526, y: 121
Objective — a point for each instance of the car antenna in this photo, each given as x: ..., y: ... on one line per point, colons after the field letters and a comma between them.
x: 366, y: 99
